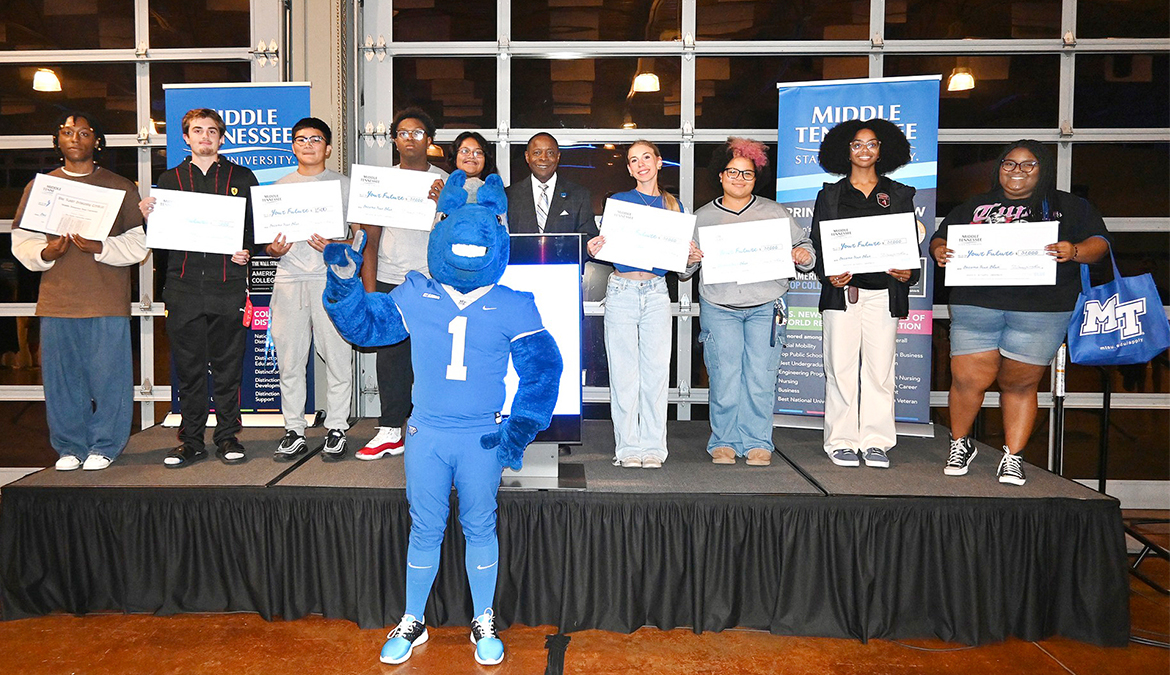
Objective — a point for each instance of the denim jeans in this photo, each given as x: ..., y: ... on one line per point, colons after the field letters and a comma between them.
x: 741, y: 366
x: 87, y: 369
x: 637, y: 344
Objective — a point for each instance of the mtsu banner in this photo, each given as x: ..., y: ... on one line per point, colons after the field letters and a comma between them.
x: 259, y: 119
x: 807, y: 111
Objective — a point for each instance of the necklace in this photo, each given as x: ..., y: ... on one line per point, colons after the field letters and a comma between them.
x: 649, y: 202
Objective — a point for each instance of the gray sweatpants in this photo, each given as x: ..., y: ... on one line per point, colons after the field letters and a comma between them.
x: 298, y: 317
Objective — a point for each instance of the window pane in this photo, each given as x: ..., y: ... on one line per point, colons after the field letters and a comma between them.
x: 1123, y: 179
x: 595, y: 20
x: 457, y: 92
x: 19, y: 167
x: 444, y: 20
x: 1122, y: 90
x: 740, y: 92
x: 929, y: 19
x: 106, y: 90
x: 707, y: 185
x: 200, y: 23
x: 1131, y: 19
x: 88, y: 24
x: 1010, y: 90
x: 594, y: 93
x: 771, y: 20
x: 190, y: 73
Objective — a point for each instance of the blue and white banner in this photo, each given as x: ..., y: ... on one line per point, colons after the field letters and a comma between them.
x: 807, y: 111
x: 259, y: 118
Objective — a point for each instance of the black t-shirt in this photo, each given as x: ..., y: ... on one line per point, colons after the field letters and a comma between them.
x: 1078, y: 221
x: 854, y: 204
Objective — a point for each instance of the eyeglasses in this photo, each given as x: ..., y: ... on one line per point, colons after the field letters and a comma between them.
x: 83, y: 133
x: 746, y: 174
x: 309, y: 140
x: 416, y: 134
x: 856, y: 146
x: 1009, y: 165
x: 470, y: 152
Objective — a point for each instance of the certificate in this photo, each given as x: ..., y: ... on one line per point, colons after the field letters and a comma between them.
x: 298, y: 211
x: 62, y: 206
x: 197, y: 222
x: 645, y: 237
x: 1002, y: 254
x: 870, y: 244
x: 745, y: 253
x: 391, y: 197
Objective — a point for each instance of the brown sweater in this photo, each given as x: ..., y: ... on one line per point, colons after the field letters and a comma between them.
x: 83, y: 285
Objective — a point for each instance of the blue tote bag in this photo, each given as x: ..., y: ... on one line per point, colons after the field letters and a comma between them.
x: 1117, y: 323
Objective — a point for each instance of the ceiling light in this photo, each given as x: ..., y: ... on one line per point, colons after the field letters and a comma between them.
x: 645, y: 82
x: 961, y: 79
x: 46, y: 80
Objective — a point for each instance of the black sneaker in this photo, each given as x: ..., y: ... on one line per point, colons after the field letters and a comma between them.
x: 291, y: 446
x: 1011, y: 469
x: 962, y: 452
x: 334, y: 446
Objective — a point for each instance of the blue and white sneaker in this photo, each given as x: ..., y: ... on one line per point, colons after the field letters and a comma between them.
x: 845, y: 457
x: 489, y: 649
x: 408, y: 634
x: 876, y: 457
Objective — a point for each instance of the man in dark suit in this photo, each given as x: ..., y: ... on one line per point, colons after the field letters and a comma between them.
x: 546, y: 202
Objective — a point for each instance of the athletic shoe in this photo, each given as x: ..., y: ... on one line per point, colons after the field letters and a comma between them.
x: 962, y: 452
x: 291, y: 446
x: 845, y: 457
x: 96, y: 462
x: 68, y: 463
x: 759, y: 457
x: 489, y: 649
x: 1011, y: 469
x: 388, y: 441
x: 876, y: 457
x: 334, y: 446
x: 651, y: 462
x: 723, y: 455
x: 400, y: 643
x: 631, y: 462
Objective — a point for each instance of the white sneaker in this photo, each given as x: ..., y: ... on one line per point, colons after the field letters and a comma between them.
x: 96, y: 463
x: 388, y: 441
x: 68, y: 463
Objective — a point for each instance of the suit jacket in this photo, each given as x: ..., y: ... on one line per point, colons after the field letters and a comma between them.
x: 570, y: 209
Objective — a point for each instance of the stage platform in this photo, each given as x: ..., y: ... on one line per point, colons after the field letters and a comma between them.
x: 801, y: 547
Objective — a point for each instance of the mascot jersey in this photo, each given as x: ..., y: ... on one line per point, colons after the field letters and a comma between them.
x: 460, y: 381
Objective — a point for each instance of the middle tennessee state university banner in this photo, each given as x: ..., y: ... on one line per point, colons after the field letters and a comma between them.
x: 807, y: 111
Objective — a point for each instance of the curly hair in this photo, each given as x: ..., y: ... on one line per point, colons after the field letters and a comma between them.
x: 751, y: 150
x: 489, y: 161
x: 98, y: 131
x: 834, y: 153
x: 1046, y: 186
x: 414, y: 113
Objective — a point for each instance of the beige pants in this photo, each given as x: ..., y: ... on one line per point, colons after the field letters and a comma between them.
x: 860, y: 342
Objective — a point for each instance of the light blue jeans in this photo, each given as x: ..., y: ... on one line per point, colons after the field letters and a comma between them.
x: 741, y: 366
x: 637, y: 344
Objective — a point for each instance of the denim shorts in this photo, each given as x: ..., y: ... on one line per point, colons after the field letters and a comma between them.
x: 1028, y: 337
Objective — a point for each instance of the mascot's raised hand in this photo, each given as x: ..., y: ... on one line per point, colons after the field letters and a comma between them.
x: 364, y: 319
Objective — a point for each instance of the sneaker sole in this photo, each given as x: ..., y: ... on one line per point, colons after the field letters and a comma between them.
x: 484, y: 662
x: 379, y: 454
x: 839, y: 462
x: 69, y: 468
x: 288, y: 456
x: 1007, y: 480
x: 422, y: 639
x: 878, y: 465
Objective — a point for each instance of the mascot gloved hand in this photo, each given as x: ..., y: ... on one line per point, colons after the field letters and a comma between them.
x: 459, y: 354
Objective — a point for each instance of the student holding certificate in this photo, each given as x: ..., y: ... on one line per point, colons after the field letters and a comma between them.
x: 743, y: 323
x: 1009, y: 334
x: 861, y: 311
x: 205, y: 295
x: 637, y: 330
x: 84, y: 306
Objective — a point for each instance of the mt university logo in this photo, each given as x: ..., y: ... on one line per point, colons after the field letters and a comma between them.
x: 1113, y: 315
x: 883, y: 200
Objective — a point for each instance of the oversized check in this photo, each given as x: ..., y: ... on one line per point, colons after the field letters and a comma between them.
x: 298, y: 211
x: 744, y: 253
x: 197, y: 222
x: 391, y: 197
x: 62, y: 206
x: 645, y: 237
x: 870, y: 244
x: 1002, y: 254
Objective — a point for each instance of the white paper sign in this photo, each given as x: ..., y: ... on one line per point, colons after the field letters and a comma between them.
x: 197, y: 222
x: 645, y: 237
x: 745, y: 253
x: 298, y: 211
x: 391, y: 197
x: 62, y: 206
x: 870, y: 244
x: 998, y: 254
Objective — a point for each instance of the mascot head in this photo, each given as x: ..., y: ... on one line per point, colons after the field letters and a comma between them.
x: 470, y: 247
